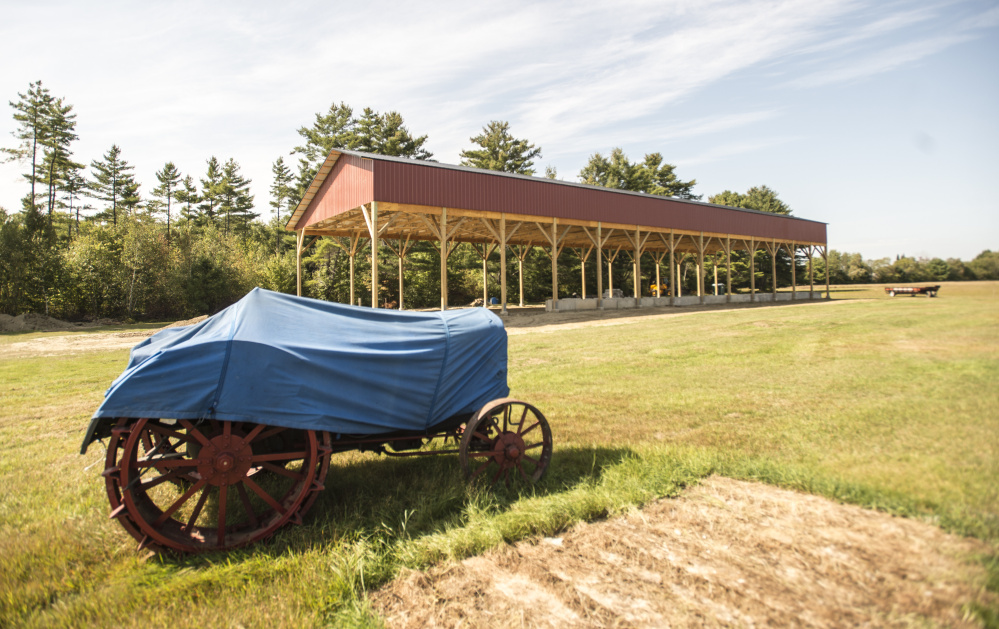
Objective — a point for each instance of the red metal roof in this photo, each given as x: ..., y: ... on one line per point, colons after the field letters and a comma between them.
x: 359, y: 178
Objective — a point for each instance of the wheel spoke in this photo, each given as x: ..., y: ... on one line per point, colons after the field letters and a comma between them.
x: 167, y: 464
x: 180, y: 501
x: 534, y: 445
x: 527, y: 458
x: 498, y: 473
x: 277, y: 469
x: 253, y: 433
x: 169, y: 476
x: 197, y: 511
x: 246, y: 505
x: 264, y: 495
x: 220, y: 530
x: 520, y: 468
x: 270, y: 433
x: 533, y: 426
x: 278, y: 456
x: 480, y: 469
x: 166, y: 432
x: 523, y: 416
x: 193, y: 431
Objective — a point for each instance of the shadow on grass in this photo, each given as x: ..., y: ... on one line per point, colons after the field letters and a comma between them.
x: 385, y: 500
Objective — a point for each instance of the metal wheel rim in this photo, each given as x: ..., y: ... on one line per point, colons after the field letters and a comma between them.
x: 507, y: 439
x: 168, y: 495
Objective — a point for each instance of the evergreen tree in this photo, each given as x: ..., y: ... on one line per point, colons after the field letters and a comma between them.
x: 169, y: 178
x: 759, y: 198
x: 210, y: 188
x: 391, y: 137
x: 650, y: 176
x: 32, y: 112
x: 234, y: 198
x: 281, y: 196
x: 112, y: 183
x: 187, y: 194
x: 74, y: 186
x: 501, y: 151
x: 334, y: 129
x: 57, y: 162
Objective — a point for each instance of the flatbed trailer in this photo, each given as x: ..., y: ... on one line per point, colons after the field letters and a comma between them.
x: 929, y: 291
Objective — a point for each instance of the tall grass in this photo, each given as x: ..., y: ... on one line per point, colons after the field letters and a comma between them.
x: 890, y: 404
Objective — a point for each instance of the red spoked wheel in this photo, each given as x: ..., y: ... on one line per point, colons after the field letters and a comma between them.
x: 211, y: 485
x: 506, y: 439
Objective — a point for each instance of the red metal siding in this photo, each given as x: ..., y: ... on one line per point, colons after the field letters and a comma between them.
x: 349, y: 185
x: 418, y: 184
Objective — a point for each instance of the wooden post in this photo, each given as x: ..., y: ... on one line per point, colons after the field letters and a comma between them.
x: 637, y: 267
x: 752, y: 269
x: 444, y: 257
x: 583, y: 257
x: 700, y: 267
x: 825, y: 257
x: 773, y: 269
x: 555, y: 252
x: 715, y: 265
x: 811, y: 272
x: 400, y: 250
x: 728, y: 269
x: 300, y: 238
x: 794, y: 271
x: 600, y: 267
x: 672, y: 282
x: 520, y: 272
x: 374, y: 254
x: 503, y: 263
x: 679, y: 275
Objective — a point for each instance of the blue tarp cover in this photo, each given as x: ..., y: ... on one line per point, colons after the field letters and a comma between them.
x: 302, y: 363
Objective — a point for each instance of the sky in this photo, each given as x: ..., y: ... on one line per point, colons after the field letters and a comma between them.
x: 878, y: 118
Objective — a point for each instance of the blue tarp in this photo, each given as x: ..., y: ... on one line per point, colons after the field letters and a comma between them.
x: 302, y: 363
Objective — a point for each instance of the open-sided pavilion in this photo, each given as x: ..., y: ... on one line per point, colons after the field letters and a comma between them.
x: 394, y: 202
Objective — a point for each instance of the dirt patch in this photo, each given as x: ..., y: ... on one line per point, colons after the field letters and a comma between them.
x: 32, y: 322
x: 726, y: 553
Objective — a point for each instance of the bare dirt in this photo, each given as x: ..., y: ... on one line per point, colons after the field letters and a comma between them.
x: 726, y: 553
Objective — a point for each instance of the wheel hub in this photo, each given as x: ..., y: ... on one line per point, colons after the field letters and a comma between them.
x: 508, y: 448
x: 225, y: 460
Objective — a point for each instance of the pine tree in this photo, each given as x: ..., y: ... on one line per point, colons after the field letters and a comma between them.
x: 395, y: 139
x: 187, y: 194
x: 650, y: 176
x: 334, y: 129
x: 169, y: 178
x: 112, y: 182
x: 501, y: 151
x: 73, y: 188
x: 57, y: 162
x: 210, y: 192
x: 234, y: 198
x: 32, y: 114
x: 281, y: 196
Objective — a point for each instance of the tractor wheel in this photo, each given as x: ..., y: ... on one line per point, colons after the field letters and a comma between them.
x: 506, y: 439
x: 196, y: 486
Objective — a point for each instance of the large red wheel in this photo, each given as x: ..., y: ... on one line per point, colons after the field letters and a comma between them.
x: 506, y: 439
x: 211, y: 485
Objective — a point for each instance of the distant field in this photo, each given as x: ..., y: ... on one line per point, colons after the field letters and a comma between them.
x: 885, y: 403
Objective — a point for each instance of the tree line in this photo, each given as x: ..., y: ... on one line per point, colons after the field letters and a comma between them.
x: 88, y: 242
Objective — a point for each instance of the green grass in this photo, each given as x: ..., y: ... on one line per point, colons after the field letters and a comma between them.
x: 884, y: 403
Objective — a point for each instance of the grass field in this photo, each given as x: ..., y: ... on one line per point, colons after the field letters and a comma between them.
x: 886, y: 403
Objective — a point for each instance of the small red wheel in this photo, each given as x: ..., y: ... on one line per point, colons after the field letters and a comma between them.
x: 506, y: 439
x: 211, y: 485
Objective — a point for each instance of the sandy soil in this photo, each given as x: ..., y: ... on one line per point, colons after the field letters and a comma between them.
x: 726, y: 553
